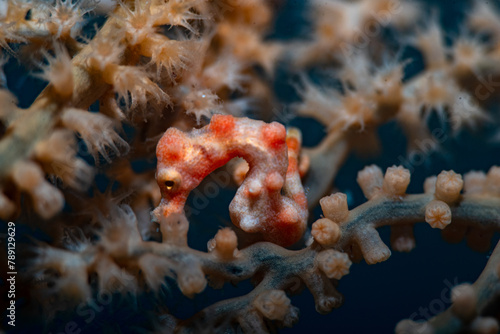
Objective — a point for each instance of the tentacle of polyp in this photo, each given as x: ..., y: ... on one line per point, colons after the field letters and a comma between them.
x: 271, y: 199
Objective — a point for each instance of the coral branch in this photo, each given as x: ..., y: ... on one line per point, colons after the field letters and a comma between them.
x: 275, y: 270
x: 473, y: 307
x: 358, y: 226
x: 283, y: 270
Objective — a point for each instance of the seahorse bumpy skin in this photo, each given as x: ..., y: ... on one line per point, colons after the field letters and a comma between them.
x: 185, y: 159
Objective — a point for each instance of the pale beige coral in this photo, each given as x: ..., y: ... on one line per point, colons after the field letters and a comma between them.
x: 448, y: 186
x: 408, y: 326
x: 430, y: 42
x: 134, y: 87
x: 464, y: 301
x: 224, y: 245
x: 396, y: 180
x: 335, y: 207
x: 341, y: 26
x: 8, y: 108
x: 225, y: 72
x: 493, y: 180
x: 65, y: 16
x: 47, y: 199
x: 437, y: 214
x: 137, y: 22
x: 120, y: 234
x: 191, y: 279
x: 7, y: 207
x: 467, y: 53
x: 474, y: 183
x: 430, y: 185
x: 202, y: 103
x: 484, y: 17
x: 177, y: 13
x: 72, y: 284
x: 370, y: 179
x: 169, y: 55
x: 485, y: 325
x: 273, y: 305
x: 174, y: 229
x: 113, y: 278
x: 154, y: 269
x: 104, y: 52
x: 57, y: 155
x: 333, y: 263
x: 240, y: 170
x: 466, y: 112
x: 317, y: 102
x: 59, y: 71
x: 96, y: 130
x: 352, y: 110
x: 325, y: 232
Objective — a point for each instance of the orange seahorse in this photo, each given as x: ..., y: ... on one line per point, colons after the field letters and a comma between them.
x: 270, y: 201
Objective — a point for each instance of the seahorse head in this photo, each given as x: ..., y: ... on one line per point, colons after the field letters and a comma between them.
x: 172, y: 171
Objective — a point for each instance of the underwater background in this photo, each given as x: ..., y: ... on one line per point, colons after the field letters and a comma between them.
x: 377, y: 297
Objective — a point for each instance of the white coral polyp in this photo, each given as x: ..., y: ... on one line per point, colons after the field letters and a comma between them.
x: 104, y: 52
x: 154, y: 269
x: 448, y: 186
x: 493, y: 180
x: 273, y: 305
x: 134, y: 87
x: 59, y: 71
x: 396, y: 180
x: 370, y: 179
x: 325, y: 232
x: 335, y: 207
x: 464, y: 299
x: 474, y: 182
x: 201, y: 103
x: 191, y: 279
x: 224, y: 244
x: 47, y: 199
x: 438, y: 214
x: 333, y: 263
x: 96, y: 131
x: 430, y: 184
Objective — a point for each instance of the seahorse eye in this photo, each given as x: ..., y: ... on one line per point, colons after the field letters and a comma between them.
x: 170, y: 178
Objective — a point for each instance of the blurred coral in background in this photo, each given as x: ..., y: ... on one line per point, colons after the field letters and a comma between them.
x: 193, y: 165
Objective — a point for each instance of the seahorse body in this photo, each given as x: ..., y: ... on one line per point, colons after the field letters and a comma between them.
x: 271, y: 199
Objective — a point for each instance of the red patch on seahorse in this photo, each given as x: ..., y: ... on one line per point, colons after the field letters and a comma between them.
x: 222, y: 125
x: 300, y: 199
x: 274, y: 135
x: 171, y: 146
x: 293, y: 144
x: 292, y: 166
x: 284, y: 231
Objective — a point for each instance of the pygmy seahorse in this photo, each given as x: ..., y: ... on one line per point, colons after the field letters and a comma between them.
x: 270, y: 201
